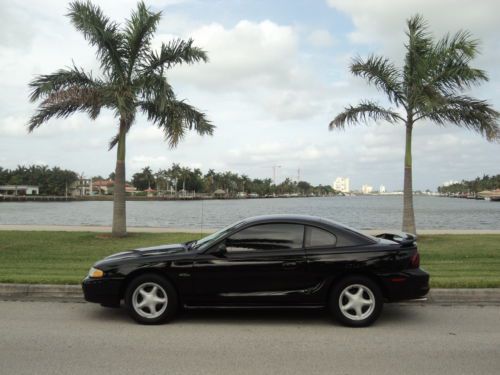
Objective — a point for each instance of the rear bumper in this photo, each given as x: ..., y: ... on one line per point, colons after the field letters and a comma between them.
x: 408, y: 284
x: 103, y: 291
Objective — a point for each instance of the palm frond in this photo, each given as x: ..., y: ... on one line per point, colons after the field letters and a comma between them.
x: 153, y: 87
x: 66, y: 102
x: 418, y: 47
x: 467, y: 112
x: 101, y: 33
x: 176, y: 118
x: 448, y: 64
x: 362, y: 113
x: 48, y: 84
x: 139, y: 31
x: 173, y: 53
x: 382, y: 73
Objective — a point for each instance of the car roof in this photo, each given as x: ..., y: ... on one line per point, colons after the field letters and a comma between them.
x: 282, y: 217
x: 303, y: 219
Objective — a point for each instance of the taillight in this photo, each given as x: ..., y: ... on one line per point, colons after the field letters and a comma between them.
x: 415, y: 260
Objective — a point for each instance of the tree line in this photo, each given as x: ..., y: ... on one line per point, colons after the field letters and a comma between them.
x: 472, y: 186
x: 50, y: 181
x: 175, y: 180
x: 179, y: 178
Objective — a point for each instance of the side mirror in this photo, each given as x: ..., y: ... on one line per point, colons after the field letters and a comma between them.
x: 220, y: 250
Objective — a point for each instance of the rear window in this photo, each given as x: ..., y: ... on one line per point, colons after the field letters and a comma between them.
x: 316, y: 237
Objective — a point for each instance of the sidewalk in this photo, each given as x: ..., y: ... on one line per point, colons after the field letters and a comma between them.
x: 93, y: 228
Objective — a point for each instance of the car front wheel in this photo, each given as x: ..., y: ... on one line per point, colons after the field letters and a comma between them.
x: 151, y: 299
x: 356, y: 301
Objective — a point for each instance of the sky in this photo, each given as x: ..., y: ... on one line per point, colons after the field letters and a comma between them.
x: 278, y: 74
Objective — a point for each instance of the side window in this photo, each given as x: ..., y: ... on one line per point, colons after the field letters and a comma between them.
x: 267, y: 237
x: 316, y: 237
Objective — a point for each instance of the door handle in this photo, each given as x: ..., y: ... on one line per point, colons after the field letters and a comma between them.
x: 290, y: 264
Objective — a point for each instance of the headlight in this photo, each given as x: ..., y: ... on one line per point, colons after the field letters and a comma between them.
x: 95, y: 273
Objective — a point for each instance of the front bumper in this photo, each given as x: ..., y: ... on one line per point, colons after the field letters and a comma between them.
x: 105, y: 291
x: 408, y: 284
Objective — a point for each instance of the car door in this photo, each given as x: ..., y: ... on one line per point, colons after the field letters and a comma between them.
x: 330, y: 254
x: 263, y: 264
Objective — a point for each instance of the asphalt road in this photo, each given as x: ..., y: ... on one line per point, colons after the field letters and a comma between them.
x: 77, y: 338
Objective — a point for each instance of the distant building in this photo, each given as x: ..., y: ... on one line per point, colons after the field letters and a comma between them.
x: 81, y: 187
x: 381, y: 189
x: 129, y: 189
x: 342, y: 184
x: 18, y: 190
x: 150, y: 192
x: 366, y: 189
x: 103, y: 186
x: 451, y: 182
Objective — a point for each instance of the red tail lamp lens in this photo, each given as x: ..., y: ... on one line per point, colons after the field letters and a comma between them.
x: 415, y: 260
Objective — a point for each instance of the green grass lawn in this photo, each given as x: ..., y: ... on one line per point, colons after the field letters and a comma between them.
x: 454, y: 261
x: 65, y: 257
x: 461, y: 261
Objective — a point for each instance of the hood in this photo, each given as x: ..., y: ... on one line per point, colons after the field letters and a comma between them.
x: 149, y: 251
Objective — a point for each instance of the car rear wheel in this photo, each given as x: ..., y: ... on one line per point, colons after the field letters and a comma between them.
x: 151, y: 299
x: 356, y: 301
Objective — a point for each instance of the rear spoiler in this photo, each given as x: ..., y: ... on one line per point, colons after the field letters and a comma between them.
x: 405, y: 239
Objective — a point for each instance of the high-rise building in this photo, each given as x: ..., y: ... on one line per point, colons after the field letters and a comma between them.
x: 381, y: 189
x: 366, y: 189
x: 342, y: 184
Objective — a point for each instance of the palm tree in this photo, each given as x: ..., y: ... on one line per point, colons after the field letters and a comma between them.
x: 132, y: 80
x: 429, y: 87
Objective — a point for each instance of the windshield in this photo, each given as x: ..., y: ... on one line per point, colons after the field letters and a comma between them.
x: 205, y: 242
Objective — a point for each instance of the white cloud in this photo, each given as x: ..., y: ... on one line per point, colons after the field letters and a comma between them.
x: 260, y: 63
x: 382, y: 23
x: 321, y: 38
x: 247, y: 53
x: 13, y: 126
x: 138, y: 162
x: 384, y: 20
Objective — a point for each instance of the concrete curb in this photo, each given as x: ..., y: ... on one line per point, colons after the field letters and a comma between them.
x: 39, y: 292
x: 464, y: 295
x: 73, y: 293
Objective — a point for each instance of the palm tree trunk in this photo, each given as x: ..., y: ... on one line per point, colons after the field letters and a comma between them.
x: 408, y: 213
x: 119, y: 208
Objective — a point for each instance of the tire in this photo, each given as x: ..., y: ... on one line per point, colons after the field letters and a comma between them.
x: 365, y: 297
x: 151, y: 299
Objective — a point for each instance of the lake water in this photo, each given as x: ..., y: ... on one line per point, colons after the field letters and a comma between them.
x: 363, y: 212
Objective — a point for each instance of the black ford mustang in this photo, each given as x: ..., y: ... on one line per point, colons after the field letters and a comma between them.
x: 265, y: 261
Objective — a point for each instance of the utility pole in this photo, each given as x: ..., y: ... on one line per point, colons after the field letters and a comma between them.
x: 275, y: 170
x: 298, y: 175
x: 82, y: 188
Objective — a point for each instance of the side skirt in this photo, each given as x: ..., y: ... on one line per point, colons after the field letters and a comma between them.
x: 244, y: 307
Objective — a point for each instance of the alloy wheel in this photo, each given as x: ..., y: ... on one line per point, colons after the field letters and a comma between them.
x: 149, y: 300
x: 356, y: 302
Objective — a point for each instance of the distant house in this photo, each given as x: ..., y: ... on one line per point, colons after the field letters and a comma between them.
x: 81, y: 187
x: 219, y: 193
x: 19, y: 190
x: 150, y: 192
x: 103, y: 186
x: 129, y: 189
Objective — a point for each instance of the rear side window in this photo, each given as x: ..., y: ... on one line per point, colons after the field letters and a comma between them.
x: 267, y: 237
x: 316, y: 237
